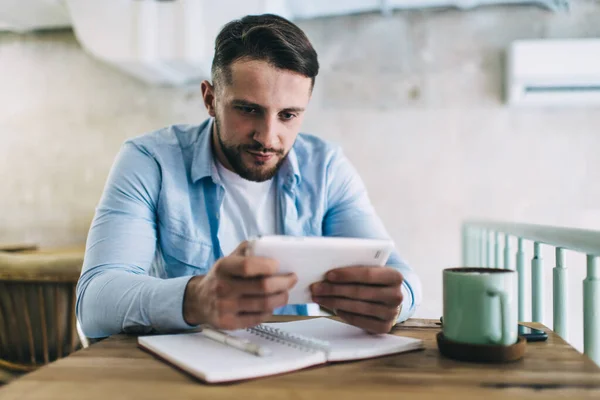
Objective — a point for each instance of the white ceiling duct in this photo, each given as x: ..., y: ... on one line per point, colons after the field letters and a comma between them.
x: 171, y: 41
x: 555, y: 5
x: 161, y: 42
x: 319, y: 8
x: 27, y: 15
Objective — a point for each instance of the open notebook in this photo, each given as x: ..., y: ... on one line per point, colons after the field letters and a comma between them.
x: 294, y: 345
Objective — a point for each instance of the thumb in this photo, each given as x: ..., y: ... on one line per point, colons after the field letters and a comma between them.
x: 241, y: 250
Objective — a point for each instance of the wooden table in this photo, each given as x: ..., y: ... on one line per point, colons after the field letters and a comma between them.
x: 116, y: 369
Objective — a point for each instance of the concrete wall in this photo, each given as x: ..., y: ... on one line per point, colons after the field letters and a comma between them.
x: 415, y: 99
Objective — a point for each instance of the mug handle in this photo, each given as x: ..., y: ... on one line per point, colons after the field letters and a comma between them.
x: 503, y: 312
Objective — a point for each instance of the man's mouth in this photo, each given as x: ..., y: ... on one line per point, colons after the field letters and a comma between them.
x: 260, y: 156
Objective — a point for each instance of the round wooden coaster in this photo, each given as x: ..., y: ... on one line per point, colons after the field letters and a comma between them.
x: 481, y: 352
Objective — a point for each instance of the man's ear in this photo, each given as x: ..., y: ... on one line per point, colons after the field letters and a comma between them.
x: 208, y: 95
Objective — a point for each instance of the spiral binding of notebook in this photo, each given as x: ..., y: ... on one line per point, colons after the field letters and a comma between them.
x: 296, y: 340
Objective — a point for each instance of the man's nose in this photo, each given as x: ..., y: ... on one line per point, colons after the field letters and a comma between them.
x: 266, y: 134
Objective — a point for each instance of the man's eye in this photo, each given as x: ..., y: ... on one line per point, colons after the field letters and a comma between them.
x: 247, y: 109
x: 287, y: 116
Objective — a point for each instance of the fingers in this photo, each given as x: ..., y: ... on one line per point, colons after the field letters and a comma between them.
x: 364, y: 274
x: 246, y: 267
x: 256, y: 286
x: 390, y: 295
x: 245, y: 311
x: 251, y: 304
x: 262, y: 303
x: 369, y: 324
x: 379, y: 311
x: 240, y: 321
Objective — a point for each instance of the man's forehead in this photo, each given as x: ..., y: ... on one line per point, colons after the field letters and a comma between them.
x: 259, y: 82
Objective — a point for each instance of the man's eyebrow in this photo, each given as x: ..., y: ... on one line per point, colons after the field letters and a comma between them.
x: 293, y: 109
x: 240, y: 102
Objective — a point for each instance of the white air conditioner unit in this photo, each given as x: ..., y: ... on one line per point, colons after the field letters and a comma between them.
x: 553, y: 73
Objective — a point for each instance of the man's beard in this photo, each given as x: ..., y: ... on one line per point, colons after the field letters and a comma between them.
x: 233, y: 154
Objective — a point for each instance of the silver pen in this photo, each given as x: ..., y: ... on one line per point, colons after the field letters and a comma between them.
x: 238, y: 343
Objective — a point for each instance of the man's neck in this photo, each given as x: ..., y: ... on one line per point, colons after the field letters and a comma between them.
x: 217, y: 151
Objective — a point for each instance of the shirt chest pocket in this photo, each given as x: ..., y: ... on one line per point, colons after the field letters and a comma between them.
x: 184, y: 257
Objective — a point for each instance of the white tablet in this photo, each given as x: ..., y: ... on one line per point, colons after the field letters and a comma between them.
x: 311, y: 257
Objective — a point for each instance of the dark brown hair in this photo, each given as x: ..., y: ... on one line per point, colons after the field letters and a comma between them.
x: 266, y: 37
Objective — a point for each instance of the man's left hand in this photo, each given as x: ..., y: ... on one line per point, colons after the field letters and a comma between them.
x: 367, y: 297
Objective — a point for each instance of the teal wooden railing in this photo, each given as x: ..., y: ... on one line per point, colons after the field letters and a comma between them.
x: 482, y: 246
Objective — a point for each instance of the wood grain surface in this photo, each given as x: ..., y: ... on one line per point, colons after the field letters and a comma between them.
x: 116, y: 368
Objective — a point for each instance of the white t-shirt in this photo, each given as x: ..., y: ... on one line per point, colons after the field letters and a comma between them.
x: 248, y: 209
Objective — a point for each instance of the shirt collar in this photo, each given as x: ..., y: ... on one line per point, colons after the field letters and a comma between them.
x: 203, y: 164
x: 290, y: 171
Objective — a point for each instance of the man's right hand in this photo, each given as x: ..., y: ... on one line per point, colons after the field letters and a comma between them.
x: 238, y: 292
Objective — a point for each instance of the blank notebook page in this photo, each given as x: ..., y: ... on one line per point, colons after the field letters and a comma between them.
x: 216, y: 362
x: 348, y: 342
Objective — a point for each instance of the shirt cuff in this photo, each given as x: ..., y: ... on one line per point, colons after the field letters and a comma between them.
x: 166, y: 307
x: 407, y: 303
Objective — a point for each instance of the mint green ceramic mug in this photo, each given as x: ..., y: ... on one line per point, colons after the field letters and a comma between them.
x: 480, y: 306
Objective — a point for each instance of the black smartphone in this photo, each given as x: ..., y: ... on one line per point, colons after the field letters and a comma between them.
x: 532, y: 335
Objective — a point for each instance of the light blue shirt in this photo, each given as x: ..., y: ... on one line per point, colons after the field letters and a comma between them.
x: 157, y: 221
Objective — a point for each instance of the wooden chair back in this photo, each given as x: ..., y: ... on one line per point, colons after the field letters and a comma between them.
x: 37, y: 308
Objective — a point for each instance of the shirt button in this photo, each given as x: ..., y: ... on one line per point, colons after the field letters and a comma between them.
x: 218, y: 215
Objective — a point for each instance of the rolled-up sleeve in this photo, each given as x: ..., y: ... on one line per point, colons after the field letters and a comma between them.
x: 351, y: 214
x: 115, y: 292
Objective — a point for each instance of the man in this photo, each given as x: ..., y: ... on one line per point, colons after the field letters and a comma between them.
x: 166, y: 248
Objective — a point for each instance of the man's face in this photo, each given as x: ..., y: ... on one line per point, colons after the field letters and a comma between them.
x: 257, y: 117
